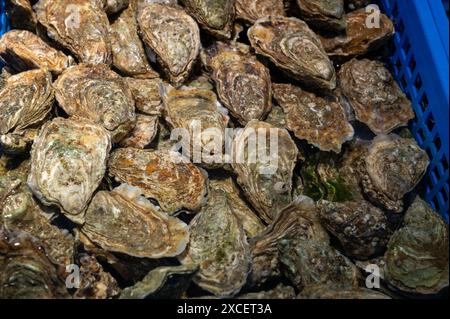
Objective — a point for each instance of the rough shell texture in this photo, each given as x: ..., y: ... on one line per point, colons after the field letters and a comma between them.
x: 81, y: 26
x: 243, y: 83
x: 114, y: 6
x: 417, y: 256
x: 23, y: 50
x: 252, y: 10
x: 291, y: 45
x: 336, y: 291
x: 320, y: 121
x: 143, y: 133
x: 277, y: 117
x: 68, y: 162
x: 146, y: 95
x: 265, y: 168
x: 162, y: 176
x: 279, y: 292
x: 21, y: 15
x: 375, y: 96
x: 323, y: 14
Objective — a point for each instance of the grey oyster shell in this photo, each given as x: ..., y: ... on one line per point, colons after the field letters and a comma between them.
x: 143, y: 133
x: 21, y: 15
x: 279, y: 292
x: 68, y: 162
x: 323, y: 14
x: 252, y: 10
x: 339, y: 291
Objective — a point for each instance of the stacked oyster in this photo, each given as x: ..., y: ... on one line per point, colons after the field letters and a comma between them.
x: 150, y: 149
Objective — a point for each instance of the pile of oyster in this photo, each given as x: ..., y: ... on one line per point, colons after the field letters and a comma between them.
x: 100, y: 199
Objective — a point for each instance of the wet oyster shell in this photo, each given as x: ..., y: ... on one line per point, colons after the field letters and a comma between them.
x: 114, y: 6
x: 291, y: 45
x: 417, y: 255
x: 146, y: 95
x: 376, y: 98
x: 20, y: 15
x: 323, y: 14
x: 81, y: 26
x: 123, y: 221
x: 337, y: 291
x: 68, y: 162
x: 143, y: 133
x: 320, y: 121
x: 252, y: 10
x: 279, y: 292
x: 172, y: 35
x: 98, y: 94
x: 161, y: 175
x: 23, y: 50
x: 243, y: 83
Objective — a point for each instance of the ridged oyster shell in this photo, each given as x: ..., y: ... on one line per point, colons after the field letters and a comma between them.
x: 252, y: 10
x: 144, y: 132
x: 323, y: 14
x: 146, y: 94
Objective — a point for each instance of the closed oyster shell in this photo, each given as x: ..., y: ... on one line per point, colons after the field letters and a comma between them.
x: 320, y: 121
x: 252, y: 10
x: 323, y: 14
x: 172, y: 35
x: 20, y: 15
x: 123, y: 221
x: 291, y: 45
x: 243, y: 83
x: 339, y: 291
x: 265, y: 169
x: 146, y: 95
x: 162, y: 176
x: 68, y: 162
x: 98, y: 94
x: 114, y: 6
x: 23, y: 50
x: 375, y: 96
x: 279, y: 292
x: 417, y: 255
x: 81, y: 26
x: 143, y: 133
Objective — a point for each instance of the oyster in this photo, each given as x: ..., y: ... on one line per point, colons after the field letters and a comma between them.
x: 146, y: 95
x: 80, y: 26
x: 279, y: 292
x: 361, y: 228
x: 323, y: 14
x: 320, y: 121
x: 277, y: 117
x: 360, y: 37
x: 265, y: 169
x: 252, y: 10
x: 68, y: 162
x: 243, y: 83
x: 114, y: 6
x: 23, y: 50
x: 143, y: 133
x: 96, y: 93
x: 162, y: 176
x: 356, y: 4
x: 20, y: 15
x: 375, y: 96
x: 339, y: 291
x: 172, y: 35
x: 216, y: 16
x: 417, y: 255
x: 291, y: 45
x: 123, y: 221
x: 162, y: 283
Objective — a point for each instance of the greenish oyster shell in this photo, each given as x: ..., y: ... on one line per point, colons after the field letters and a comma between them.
x: 21, y: 15
x: 252, y: 10
x: 243, y: 83
x: 417, y: 255
x: 265, y: 177
x: 162, y: 283
x: 98, y: 94
x: 80, y: 26
x: 115, y: 6
x: 68, y: 162
x: 323, y: 14
x: 123, y: 221
x: 292, y: 46
x: 298, y: 220
x: 320, y: 121
x: 23, y: 50
x: 279, y: 292
x: 361, y: 228
x: 25, y: 270
x: 339, y: 291
x: 216, y: 16
x: 146, y: 94
x: 172, y: 35
x: 144, y: 132
x: 218, y: 244
x: 163, y: 176
x: 376, y: 98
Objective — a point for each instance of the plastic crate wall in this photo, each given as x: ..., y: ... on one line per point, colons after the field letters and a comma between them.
x: 420, y: 65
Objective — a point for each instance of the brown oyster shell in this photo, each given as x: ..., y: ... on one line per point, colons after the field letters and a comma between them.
x: 143, y: 133
x: 323, y: 14
x: 146, y: 95
x: 337, y: 291
x: 417, y: 255
x: 320, y: 121
x: 277, y: 117
x: 98, y: 94
x: 68, y: 162
x: 161, y: 175
x: 114, y: 6
x: 291, y: 45
x: 21, y: 15
x: 252, y: 10
x: 172, y: 35
x: 279, y: 292
x: 23, y: 50
x: 375, y: 96
x: 243, y: 83
x: 80, y: 26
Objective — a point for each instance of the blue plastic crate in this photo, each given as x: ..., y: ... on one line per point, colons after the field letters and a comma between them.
x: 420, y: 64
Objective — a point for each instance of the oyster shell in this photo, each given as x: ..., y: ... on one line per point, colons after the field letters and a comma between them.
x: 162, y: 176
x: 68, y: 162
x: 375, y: 96
x: 323, y: 14
x: 339, y: 291
x: 146, y: 95
x: 123, y: 221
x: 243, y: 83
x: 23, y: 50
x: 98, y: 94
x: 265, y: 170
x: 417, y: 255
x: 279, y: 292
x: 252, y: 10
x: 143, y: 133
x: 172, y: 35
x: 277, y: 117
x: 81, y: 26
x: 320, y: 121
x: 20, y: 15
x: 356, y: 4
x: 291, y: 45
x: 114, y: 6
